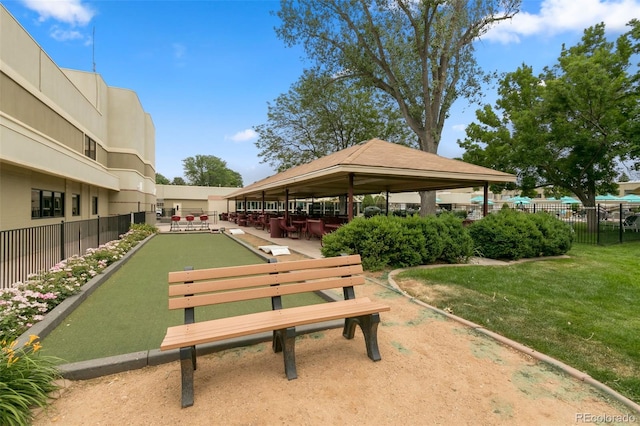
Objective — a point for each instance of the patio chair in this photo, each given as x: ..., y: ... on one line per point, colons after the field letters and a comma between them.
x: 631, y: 223
x: 204, y: 221
x: 288, y: 229
x: 190, y: 219
x: 175, y: 223
x: 316, y: 228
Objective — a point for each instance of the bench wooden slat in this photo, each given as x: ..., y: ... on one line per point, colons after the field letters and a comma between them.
x: 227, y: 328
x: 261, y: 280
x: 257, y: 293
x: 262, y: 268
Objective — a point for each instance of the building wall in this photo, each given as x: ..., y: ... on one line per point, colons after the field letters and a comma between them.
x: 194, y: 199
x: 46, y: 115
x: 626, y: 188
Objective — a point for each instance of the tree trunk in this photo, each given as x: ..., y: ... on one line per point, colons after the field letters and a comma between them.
x: 592, y: 219
x: 427, y: 203
x: 427, y: 198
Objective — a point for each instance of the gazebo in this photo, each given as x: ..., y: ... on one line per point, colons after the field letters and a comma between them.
x: 371, y: 167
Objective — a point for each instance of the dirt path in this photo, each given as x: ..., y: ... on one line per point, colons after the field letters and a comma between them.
x: 433, y: 371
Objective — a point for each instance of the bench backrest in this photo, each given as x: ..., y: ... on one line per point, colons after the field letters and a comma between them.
x: 188, y: 289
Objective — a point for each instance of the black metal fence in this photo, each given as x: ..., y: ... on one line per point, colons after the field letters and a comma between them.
x: 28, y: 251
x: 604, y: 224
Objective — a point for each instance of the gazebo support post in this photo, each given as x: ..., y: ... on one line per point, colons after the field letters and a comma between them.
x: 286, y: 206
x: 387, y: 204
x: 350, y: 199
x: 485, y: 201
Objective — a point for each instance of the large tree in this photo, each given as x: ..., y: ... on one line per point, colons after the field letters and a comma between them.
x: 420, y: 53
x: 162, y: 180
x: 209, y: 170
x: 322, y: 114
x: 570, y: 126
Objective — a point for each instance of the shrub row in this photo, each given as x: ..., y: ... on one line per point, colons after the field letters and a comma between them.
x: 512, y: 235
x: 391, y: 241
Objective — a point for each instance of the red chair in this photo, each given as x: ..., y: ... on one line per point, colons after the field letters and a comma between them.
x: 204, y: 221
x: 190, y: 219
x: 315, y: 228
x: 288, y: 229
x: 175, y: 223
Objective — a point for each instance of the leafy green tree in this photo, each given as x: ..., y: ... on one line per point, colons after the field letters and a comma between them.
x: 161, y: 180
x: 380, y: 201
x: 322, y: 114
x: 367, y: 201
x: 178, y: 181
x: 568, y: 127
x: 209, y: 170
x: 418, y: 53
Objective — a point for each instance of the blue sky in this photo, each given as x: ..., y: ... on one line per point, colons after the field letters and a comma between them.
x: 206, y: 69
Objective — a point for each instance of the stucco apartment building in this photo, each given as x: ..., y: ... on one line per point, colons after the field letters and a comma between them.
x: 71, y: 147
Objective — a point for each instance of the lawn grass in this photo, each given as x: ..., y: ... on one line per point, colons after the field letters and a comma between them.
x: 129, y: 312
x: 582, y: 310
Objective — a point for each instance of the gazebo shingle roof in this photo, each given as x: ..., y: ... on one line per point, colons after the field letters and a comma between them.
x: 376, y: 166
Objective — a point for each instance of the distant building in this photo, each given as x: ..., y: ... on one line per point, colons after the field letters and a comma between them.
x: 183, y: 200
x: 71, y: 147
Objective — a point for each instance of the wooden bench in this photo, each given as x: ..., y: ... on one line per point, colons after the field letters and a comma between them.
x: 192, y: 288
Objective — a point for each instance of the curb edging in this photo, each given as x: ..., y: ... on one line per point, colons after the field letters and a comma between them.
x: 567, y: 369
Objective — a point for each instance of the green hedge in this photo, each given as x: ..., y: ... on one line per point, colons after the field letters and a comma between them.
x: 390, y: 241
x: 512, y: 235
x: 398, y: 242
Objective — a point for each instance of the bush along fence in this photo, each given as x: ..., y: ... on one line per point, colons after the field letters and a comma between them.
x: 27, y: 378
x: 396, y: 242
x: 26, y: 251
x: 603, y: 224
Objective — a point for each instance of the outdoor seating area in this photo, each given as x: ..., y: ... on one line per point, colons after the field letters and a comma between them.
x: 190, y: 223
x: 293, y: 226
x: 630, y: 223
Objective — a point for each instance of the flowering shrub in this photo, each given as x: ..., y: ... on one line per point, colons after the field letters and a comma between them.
x: 26, y: 303
x: 26, y: 380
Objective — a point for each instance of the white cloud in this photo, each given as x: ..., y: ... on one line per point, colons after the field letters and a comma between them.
x: 243, y: 136
x: 558, y: 16
x: 459, y: 127
x: 60, y: 34
x: 71, y: 12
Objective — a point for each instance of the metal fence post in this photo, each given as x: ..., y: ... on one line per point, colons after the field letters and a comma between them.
x: 62, y: 256
x: 598, y: 224
x: 620, y: 223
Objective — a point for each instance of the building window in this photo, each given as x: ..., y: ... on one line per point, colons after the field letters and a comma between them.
x: 58, y: 204
x: 94, y: 205
x: 46, y: 203
x: 36, y: 208
x: 89, y: 147
x: 75, y: 204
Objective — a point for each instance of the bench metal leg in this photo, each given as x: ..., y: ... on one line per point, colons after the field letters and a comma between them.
x: 285, y: 341
x: 187, y: 366
x: 369, y: 326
